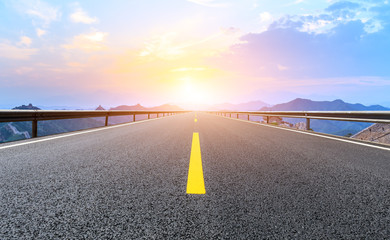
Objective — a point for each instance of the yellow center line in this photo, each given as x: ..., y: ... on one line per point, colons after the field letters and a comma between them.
x: 195, y: 120
x: 195, y: 182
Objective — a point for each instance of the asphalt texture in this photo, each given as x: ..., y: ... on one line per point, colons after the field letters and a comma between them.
x: 130, y: 182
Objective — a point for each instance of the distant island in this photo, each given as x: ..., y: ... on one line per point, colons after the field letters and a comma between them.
x: 26, y: 107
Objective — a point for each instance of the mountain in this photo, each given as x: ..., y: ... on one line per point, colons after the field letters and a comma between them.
x: 341, y: 128
x: 123, y: 119
x: 164, y: 107
x: 127, y: 107
x: 247, y: 106
x: 100, y: 108
x: 300, y: 104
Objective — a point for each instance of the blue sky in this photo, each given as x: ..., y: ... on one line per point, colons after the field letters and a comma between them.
x: 86, y: 53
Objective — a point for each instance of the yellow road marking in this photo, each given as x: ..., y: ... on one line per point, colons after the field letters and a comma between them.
x: 195, y: 120
x: 195, y: 182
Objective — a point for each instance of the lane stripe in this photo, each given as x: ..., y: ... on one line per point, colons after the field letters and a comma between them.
x: 195, y: 181
x: 195, y: 120
x: 78, y: 133
x: 314, y: 134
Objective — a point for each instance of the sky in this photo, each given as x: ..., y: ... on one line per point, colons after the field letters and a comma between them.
x: 192, y: 52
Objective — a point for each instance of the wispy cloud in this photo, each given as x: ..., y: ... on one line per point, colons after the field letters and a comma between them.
x: 282, y: 68
x: 188, y: 69
x: 266, y: 19
x: 80, y: 16
x: 25, y: 41
x: 93, y: 41
x: 169, y: 45
x: 10, y: 51
x: 39, y: 10
x: 296, y: 2
x: 40, y: 32
x: 210, y: 3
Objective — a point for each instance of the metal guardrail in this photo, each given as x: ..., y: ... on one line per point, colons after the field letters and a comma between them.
x: 41, y: 115
x: 354, y: 116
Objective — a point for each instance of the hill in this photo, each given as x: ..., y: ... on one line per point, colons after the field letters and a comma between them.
x: 301, y: 104
x: 164, y: 107
x: 247, y: 106
x: 127, y: 107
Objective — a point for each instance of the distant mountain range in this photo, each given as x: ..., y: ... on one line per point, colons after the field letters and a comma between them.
x: 247, y: 106
x: 340, y: 128
x: 165, y: 107
x: 301, y: 104
x: 22, y: 130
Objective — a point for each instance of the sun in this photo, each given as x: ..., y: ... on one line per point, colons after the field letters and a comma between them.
x: 192, y: 91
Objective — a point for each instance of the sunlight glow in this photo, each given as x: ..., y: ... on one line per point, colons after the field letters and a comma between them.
x: 192, y: 92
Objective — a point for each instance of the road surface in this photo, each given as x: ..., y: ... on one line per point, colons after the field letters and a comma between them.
x: 129, y: 182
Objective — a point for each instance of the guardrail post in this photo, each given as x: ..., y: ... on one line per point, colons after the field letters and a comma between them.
x: 230, y: 115
x: 133, y: 117
x: 106, y: 122
x: 237, y: 115
x: 248, y: 117
x: 267, y: 119
x: 148, y: 115
x: 307, y: 123
x: 34, y: 128
x: 157, y: 114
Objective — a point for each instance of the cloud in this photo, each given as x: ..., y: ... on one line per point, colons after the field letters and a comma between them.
x: 80, y: 16
x: 372, y: 14
x: 10, y: 51
x: 93, y: 41
x: 40, y: 32
x: 347, y: 51
x: 210, y: 3
x: 282, y: 68
x: 171, y: 46
x: 23, y: 70
x: 26, y: 41
x: 341, y: 6
x: 188, y: 69
x: 76, y: 64
x: 266, y: 19
x: 39, y: 10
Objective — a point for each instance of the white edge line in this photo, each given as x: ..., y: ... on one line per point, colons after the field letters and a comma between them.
x: 313, y: 134
x: 78, y: 133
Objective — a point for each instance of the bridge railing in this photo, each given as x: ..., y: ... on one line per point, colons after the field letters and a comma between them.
x: 41, y: 115
x: 354, y: 116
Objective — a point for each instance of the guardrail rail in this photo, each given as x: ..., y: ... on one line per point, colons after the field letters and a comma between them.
x: 353, y: 116
x: 41, y: 115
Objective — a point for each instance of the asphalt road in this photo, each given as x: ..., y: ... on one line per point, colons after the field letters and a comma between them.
x: 129, y: 182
